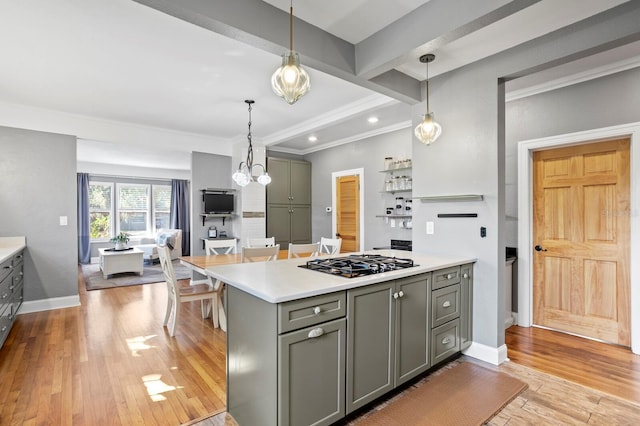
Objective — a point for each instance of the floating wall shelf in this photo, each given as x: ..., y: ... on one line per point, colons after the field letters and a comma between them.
x: 443, y: 198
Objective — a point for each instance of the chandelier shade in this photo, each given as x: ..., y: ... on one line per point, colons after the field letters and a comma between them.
x: 290, y: 81
x: 428, y: 130
x: 244, y: 175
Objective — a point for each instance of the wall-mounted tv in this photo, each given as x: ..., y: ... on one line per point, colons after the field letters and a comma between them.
x: 217, y: 203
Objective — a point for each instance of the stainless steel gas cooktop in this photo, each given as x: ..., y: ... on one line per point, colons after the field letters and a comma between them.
x: 358, y: 265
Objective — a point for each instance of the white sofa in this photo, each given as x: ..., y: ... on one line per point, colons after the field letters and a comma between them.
x: 169, y: 237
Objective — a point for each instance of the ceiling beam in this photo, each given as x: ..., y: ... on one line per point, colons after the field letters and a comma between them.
x: 265, y: 27
x: 426, y: 29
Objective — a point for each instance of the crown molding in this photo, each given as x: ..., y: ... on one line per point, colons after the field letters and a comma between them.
x: 354, y: 138
x: 330, y: 118
x: 572, y: 79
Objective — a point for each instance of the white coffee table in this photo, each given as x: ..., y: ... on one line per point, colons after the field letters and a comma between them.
x: 116, y: 262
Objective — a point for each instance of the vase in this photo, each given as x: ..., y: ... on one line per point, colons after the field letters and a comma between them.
x: 121, y: 245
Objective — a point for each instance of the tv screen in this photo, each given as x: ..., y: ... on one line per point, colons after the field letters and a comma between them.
x: 218, y: 203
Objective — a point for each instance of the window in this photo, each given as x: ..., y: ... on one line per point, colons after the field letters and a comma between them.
x: 139, y: 209
x: 161, y: 205
x: 133, y: 209
x: 100, y: 209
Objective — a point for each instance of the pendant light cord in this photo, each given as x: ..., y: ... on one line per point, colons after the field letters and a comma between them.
x: 426, y: 86
x: 291, y: 26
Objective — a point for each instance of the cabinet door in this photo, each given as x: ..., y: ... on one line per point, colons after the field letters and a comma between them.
x: 311, y: 375
x: 278, y: 190
x: 370, y: 354
x: 466, y: 306
x: 300, y: 182
x: 279, y: 224
x: 412, y: 327
x: 300, y: 224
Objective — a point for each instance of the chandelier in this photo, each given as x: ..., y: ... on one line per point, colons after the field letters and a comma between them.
x: 428, y: 130
x: 244, y: 174
x: 290, y: 81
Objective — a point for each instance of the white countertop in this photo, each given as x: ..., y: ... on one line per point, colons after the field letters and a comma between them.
x: 282, y: 280
x: 10, y: 246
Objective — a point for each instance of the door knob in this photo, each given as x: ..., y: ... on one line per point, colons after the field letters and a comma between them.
x: 539, y: 248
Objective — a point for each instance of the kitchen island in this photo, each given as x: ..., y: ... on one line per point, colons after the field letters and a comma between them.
x: 305, y: 347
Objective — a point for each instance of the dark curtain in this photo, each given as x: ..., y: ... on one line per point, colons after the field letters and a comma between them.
x: 180, y: 212
x: 84, y: 246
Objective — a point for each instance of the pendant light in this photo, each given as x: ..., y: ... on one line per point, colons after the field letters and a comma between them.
x: 290, y: 81
x: 244, y: 174
x: 428, y: 130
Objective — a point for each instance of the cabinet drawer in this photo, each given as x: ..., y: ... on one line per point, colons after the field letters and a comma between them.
x: 310, y: 311
x: 16, y: 299
x: 446, y: 277
x: 445, y: 341
x: 5, y: 268
x: 18, y: 258
x: 18, y: 274
x: 5, y: 322
x: 445, y: 305
x: 5, y: 291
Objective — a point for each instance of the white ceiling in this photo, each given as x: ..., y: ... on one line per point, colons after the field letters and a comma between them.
x: 121, y: 61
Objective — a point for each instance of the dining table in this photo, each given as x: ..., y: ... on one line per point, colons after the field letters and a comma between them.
x: 200, y: 264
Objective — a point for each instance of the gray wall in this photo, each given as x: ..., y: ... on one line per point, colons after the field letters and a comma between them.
x: 38, y: 185
x: 208, y: 171
x: 368, y: 154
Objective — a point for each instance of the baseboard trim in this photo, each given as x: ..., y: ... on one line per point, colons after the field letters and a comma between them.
x: 495, y: 356
x: 49, y: 304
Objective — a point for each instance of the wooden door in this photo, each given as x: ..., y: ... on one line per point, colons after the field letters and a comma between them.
x: 581, y: 237
x: 348, y: 212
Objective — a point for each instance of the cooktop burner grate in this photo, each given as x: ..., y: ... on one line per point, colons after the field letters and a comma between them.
x: 358, y: 265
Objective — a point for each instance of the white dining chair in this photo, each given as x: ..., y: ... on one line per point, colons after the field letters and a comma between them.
x: 330, y: 246
x: 213, y: 247
x: 303, y: 250
x: 261, y: 242
x: 260, y: 254
x: 177, y: 294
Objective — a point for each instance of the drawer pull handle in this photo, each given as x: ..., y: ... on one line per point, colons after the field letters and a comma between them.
x: 4, y: 296
x: 401, y: 293
x: 446, y: 341
x: 3, y: 329
x: 316, y: 332
x: 446, y: 304
x: 395, y: 295
x: 317, y: 310
x: 449, y: 276
x: 465, y: 275
x: 7, y: 267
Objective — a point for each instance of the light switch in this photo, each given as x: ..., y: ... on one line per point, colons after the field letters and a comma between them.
x: 393, y: 223
x: 429, y: 228
x: 63, y: 220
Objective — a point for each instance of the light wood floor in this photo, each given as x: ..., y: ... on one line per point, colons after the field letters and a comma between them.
x: 110, y: 361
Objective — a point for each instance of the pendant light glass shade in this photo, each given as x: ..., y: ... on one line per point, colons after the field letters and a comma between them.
x: 428, y: 130
x: 290, y: 81
x: 244, y: 175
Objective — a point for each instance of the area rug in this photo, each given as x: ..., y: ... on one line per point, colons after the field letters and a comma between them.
x: 465, y: 394
x: 150, y: 274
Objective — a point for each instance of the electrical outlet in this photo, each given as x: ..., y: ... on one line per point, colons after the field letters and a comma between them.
x: 63, y: 221
x: 483, y: 232
x: 430, y: 229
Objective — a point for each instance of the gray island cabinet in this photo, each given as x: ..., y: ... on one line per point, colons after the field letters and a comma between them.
x: 307, y: 348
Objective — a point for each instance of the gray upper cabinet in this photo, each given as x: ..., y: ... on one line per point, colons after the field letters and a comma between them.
x: 389, y: 328
x: 289, y: 201
x: 290, y: 181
